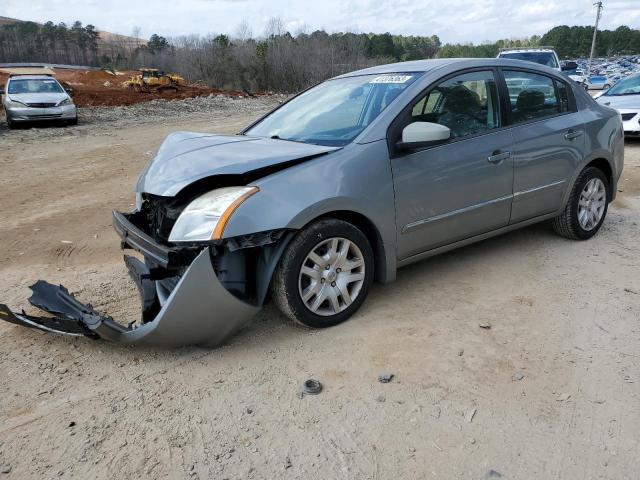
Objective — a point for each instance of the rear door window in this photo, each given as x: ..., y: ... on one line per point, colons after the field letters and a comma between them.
x: 532, y: 96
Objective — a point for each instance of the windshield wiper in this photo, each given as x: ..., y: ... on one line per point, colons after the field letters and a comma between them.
x: 278, y: 137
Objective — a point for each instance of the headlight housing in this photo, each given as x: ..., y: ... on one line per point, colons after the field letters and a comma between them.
x: 206, y: 217
x: 15, y: 104
x: 66, y: 101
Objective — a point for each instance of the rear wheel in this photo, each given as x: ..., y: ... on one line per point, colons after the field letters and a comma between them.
x: 607, y: 87
x: 587, y: 206
x: 324, y: 275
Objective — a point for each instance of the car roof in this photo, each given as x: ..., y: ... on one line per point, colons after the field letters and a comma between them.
x: 525, y: 50
x: 422, y: 66
x: 31, y: 77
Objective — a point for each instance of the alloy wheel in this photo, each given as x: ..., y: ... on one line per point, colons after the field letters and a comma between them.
x: 592, y: 204
x: 331, y: 276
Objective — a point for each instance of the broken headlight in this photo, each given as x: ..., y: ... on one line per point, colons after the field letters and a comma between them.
x: 205, y: 217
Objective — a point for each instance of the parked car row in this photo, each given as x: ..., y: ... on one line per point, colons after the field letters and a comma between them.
x: 619, y: 84
x: 603, y: 74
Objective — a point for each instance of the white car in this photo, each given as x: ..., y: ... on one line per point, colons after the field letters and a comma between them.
x: 32, y: 98
x: 541, y: 55
x: 624, y: 96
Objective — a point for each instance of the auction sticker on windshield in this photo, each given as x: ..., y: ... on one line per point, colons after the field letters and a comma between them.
x: 391, y: 79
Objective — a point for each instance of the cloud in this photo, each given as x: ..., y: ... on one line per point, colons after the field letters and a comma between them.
x: 452, y: 20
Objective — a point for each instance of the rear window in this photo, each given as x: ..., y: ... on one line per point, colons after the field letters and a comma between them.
x: 23, y: 85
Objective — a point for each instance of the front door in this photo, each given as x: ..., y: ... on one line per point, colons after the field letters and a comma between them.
x: 461, y: 188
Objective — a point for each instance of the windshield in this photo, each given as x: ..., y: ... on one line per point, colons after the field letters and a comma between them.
x: 543, y: 58
x: 628, y: 86
x: 40, y: 85
x: 334, y: 112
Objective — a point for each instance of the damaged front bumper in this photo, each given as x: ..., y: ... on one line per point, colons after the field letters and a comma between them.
x: 182, y: 303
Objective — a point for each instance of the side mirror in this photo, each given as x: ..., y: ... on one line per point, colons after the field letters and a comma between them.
x: 423, y: 134
x: 69, y: 91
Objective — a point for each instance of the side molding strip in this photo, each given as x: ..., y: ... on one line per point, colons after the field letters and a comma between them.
x: 420, y: 223
x: 537, y: 189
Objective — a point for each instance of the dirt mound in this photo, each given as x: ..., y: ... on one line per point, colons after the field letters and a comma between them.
x: 114, y: 96
x: 93, y: 88
x: 102, y: 88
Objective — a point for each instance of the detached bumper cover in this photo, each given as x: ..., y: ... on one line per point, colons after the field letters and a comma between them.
x: 198, y: 311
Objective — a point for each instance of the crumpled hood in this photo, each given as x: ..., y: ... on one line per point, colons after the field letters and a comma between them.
x: 38, y: 97
x: 620, y: 101
x: 185, y: 157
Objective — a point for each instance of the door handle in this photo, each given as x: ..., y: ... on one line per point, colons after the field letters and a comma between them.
x: 572, y: 134
x: 498, y: 157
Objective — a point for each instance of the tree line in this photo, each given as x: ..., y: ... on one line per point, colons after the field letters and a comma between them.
x: 278, y: 60
x: 32, y: 42
x: 569, y: 42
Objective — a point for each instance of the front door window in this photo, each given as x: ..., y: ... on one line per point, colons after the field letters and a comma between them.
x: 467, y: 104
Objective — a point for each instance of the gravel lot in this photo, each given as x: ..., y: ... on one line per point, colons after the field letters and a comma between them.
x: 96, y: 121
x: 550, y: 390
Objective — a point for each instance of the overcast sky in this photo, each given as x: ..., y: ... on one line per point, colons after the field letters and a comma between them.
x: 452, y: 20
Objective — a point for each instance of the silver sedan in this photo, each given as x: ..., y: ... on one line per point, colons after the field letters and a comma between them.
x: 341, y: 186
x: 31, y: 98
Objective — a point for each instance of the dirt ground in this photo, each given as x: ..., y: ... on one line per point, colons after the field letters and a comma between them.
x: 550, y: 391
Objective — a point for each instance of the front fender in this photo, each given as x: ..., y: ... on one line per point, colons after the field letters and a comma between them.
x: 355, y: 179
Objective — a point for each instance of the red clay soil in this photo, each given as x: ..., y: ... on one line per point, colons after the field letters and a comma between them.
x: 100, y: 88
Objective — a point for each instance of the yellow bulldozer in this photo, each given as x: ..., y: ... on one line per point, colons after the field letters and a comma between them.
x: 154, y: 80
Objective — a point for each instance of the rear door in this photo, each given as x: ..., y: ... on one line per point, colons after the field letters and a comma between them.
x: 548, y: 135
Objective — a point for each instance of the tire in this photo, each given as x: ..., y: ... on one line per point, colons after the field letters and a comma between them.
x: 10, y: 124
x: 569, y: 223
x: 348, y: 288
x: 606, y: 87
x: 73, y: 121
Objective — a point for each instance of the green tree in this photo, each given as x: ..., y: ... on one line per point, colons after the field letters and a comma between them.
x: 157, y: 44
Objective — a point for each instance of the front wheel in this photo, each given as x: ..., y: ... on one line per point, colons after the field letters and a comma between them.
x: 324, y: 275
x: 587, y: 206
